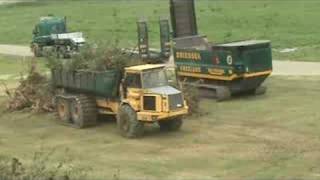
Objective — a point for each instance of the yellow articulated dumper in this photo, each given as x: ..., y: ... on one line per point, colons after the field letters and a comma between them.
x: 141, y: 94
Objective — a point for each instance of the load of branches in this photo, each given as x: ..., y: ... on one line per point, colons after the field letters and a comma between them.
x: 33, y: 93
x: 96, y: 58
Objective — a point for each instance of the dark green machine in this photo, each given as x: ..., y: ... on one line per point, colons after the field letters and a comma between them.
x: 153, y: 55
x: 50, y: 35
x: 226, y: 69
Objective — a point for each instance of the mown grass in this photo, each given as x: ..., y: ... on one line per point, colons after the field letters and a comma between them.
x: 14, y: 65
x: 274, y: 136
x: 287, y: 24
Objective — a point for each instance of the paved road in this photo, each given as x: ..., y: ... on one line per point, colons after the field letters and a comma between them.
x: 296, y: 68
x: 15, y: 50
x: 13, y: 1
x: 8, y: 1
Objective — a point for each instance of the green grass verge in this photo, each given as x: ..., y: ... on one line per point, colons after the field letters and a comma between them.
x: 274, y: 136
x: 13, y: 68
x: 287, y: 24
x: 14, y: 65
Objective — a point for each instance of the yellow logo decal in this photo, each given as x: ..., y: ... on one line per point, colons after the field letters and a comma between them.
x: 216, y: 71
x: 190, y: 69
x: 188, y: 55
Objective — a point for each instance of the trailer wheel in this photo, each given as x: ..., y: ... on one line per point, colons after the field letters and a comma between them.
x: 83, y: 112
x: 62, y: 52
x: 36, y: 50
x: 128, y: 124
x: 171, y: 125
x: 63, y: 110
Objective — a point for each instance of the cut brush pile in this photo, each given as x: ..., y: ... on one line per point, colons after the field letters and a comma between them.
x: 33, y: 93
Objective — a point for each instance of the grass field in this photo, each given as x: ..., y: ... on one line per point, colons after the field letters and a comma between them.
x: 275, y: 136
x: 288, y: 24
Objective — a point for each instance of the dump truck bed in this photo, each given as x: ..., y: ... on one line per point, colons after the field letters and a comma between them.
x: 104, y: 84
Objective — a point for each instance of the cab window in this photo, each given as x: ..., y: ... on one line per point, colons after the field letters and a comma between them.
x: 133, y: 80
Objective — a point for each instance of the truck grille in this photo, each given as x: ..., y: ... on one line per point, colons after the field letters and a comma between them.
x: 175, y: 101
x: 149, y: 103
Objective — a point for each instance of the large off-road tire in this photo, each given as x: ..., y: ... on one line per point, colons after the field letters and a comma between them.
x: 83, y: 111
x: 223, y: 93
x: 63, y: 110
x: 171, y: 125
x: 128, y: 124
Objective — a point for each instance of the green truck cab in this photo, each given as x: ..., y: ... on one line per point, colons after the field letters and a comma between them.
x: 51, y: 34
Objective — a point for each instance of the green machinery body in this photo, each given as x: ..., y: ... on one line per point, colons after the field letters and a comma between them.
x: 242, y: 66
x: 233, y: 67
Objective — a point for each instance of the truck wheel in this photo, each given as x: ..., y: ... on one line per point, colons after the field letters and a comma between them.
x: 62, y: 52
x: 223, y: 93
x: 36, y: 50
x: 171, y: 125
x: 83, y: 112
x: 128, y: 123
x: 63, y: 110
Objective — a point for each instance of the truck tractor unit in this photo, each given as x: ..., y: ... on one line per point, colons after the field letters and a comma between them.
x: 225, y: 69
x: 50, y: 35
x: 139, y: 95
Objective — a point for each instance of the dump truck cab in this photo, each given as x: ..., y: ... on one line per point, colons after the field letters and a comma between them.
x: 147, y: 90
